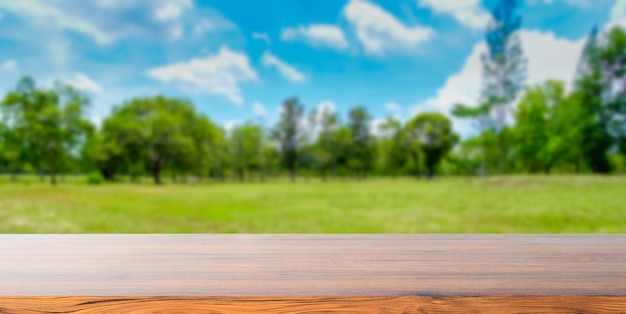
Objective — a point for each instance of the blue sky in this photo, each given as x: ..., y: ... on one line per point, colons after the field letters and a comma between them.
x: 238, y: 60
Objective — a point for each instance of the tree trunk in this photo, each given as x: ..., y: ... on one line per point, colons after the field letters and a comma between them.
x: 240, y: 174
x: 53, y: 170
x: 430, y: 173
x: 156, y: 172
x: 53, y: 176
x: 416, y: 164
x: 501, y: 152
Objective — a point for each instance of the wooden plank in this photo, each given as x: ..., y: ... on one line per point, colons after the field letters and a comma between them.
x: 312, y: 265
x: 313, y: 305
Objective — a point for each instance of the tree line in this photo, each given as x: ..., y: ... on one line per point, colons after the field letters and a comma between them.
x: 544, y: 128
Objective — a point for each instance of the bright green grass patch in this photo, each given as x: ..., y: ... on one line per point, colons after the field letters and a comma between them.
x: 521, y: 204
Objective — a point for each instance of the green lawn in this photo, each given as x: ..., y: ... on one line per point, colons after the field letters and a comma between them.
x: 557, y: 204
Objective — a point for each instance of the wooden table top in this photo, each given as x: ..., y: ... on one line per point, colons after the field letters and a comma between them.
x: 312, y: 265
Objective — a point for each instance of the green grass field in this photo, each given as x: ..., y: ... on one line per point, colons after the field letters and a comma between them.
x: 521, y: 204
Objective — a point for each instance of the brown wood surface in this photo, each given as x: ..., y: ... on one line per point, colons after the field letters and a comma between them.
x: 411, y: 304
x: 312, y: 265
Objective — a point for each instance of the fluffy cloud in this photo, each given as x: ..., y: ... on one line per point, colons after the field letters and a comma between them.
x: 467, y: 12
x: 286, y: 70
x: 84, y: 83
x: 393, y: 106
x: 318, y: 35
x: 262, y: 36
x: 259, y: 109
x: 376, y: 128
x: 219, y: 74
x: 618, y: 14
x: 203, y: 26
x: 9, y: 66
x: 570, y: 2
x: 379, y: 31
x: 549, y: 57
x: 115, y: 18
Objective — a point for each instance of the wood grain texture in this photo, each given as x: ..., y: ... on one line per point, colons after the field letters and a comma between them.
x: 313, y: 305
x: 312, y: 265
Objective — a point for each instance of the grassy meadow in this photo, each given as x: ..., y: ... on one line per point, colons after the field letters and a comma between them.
x: 516, y: 204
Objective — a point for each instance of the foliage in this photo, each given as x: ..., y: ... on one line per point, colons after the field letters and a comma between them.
x: 287, y: 133
x: 152, y: 133
x: 430, y: 135
x: 43, y: 126
x: 95, y: 178
x: 504, y: 66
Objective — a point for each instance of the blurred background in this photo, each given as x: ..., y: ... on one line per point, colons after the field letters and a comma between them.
x: 287, y: 116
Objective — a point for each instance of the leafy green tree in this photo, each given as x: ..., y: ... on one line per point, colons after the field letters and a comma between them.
x: 45, y: 125
x: 431, y: 135
x: 504, y: 66
x: 549, y: 128
x: 612, y: 59
x: 207, y: 139
x: 483, y: 122
x: 363, y: 150
x: 533, y: 126
x: 247, y: 149
x: 324, y: 121
x: 288, y: 132
x: 393, y: 146
x: 158, y: 132
x: 340, y: 139
x: 591, y: 90
x: 569, y: 120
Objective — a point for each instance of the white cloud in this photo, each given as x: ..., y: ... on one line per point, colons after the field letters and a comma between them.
x: 549, y: 57
x: 393, y: 106
x: 47, y: 13
x: 83, y: 82
x: 203, y: 26
x: 376, y: 128
x: 10, y: 65
x: 219, y: 74
x: 467, y: 12
x: 618, y: 14
x: 259, y: 109
x: 318, y: 35
x: 379, y: 31
x: 326, y: 107
x: 171, y: 10
x: 262, y: 36
x: 569, y: 2
x: 156, y: 18
x: 230, y: 126
x: 286, y: 70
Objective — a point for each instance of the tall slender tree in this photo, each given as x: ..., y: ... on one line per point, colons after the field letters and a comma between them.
x: 504, y: 66
x: 362, y: 152
x: 288, y: 132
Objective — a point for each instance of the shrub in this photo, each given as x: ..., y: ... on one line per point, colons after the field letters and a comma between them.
x: 95, y: 178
